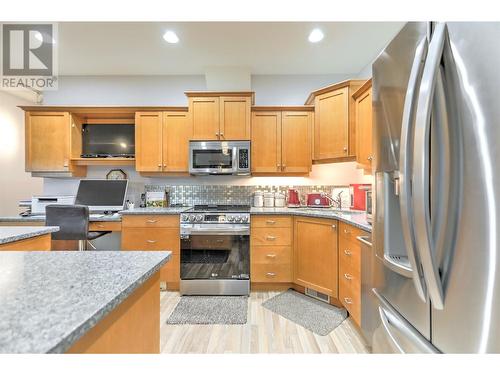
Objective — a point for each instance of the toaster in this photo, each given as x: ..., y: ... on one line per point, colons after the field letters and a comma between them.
x: 318, y: 200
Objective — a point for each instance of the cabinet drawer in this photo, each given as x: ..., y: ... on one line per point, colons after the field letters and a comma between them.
x: 349, y: 253
x: 350, y: 297
x: 350, y: 232
x: 350, y: 276
x: 271, y: 236
x: 105, y: 226
x: 151, y: 239
x: 271, y: 273
x: 271, y: 255
x: 150, y: 221
x: 171, y: 271
x: 271, y: 221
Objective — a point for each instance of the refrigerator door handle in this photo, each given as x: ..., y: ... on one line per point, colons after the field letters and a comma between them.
x: 405, y: 159
x: 421, y: 167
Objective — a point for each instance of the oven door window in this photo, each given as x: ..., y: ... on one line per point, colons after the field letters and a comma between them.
x: 215, y: 257
x: 203, y: 159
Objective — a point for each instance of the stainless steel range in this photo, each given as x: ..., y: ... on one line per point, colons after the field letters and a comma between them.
x: 215, y: 250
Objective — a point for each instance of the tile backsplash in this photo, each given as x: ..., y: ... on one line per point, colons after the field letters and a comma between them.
x: 189, y: 195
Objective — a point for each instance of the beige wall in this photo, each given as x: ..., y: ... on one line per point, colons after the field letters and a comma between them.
x: 15, y: 183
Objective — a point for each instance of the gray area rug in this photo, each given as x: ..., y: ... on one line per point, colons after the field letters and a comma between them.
x: 316, y: 316
x: 210, y: 310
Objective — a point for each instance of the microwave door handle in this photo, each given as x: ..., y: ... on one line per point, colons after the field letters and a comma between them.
x: 405, y: 157
x: 421, y: 167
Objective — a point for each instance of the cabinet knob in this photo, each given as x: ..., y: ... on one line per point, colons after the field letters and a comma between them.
x: 348, y: 300
x: 347, y: 231
x: 348, y: 276
x: 159, y: 165
x: 347, y: 252
x: 164, y: 166
x: 334, y: 226
x: 345, y: 149
x: 370, y: 158
x: 221, y: 134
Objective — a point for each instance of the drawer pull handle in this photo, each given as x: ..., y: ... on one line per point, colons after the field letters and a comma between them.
x: 150, y: 241
x: 100, y: 225
x: 270, y: 238
x: 270, y: 222
x: 347, y: 252
x: 271, y: 274
x: 271, y: 255
x: 151, y: 221
x: 348, y: 300
x: 219, y: 241
x: 347, y: 276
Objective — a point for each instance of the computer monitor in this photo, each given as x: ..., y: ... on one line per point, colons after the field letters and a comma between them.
x: 102, y: 195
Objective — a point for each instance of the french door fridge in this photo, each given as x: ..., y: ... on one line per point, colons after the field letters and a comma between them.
x: 437, y: 172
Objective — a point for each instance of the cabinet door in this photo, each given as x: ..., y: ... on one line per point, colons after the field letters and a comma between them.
x: 47, y: 141
x: 331, y: 128
x: 177, y: 130
x: 296, y: 142
x: 315, y: 255
x: 235, y: 118
x: 205, y: 114
x: 364, y: 130
x: 148, y: 141
x: 266, y: 142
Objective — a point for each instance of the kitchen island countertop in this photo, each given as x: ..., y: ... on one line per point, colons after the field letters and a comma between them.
x: 50, y: 300
x: 12, y: 233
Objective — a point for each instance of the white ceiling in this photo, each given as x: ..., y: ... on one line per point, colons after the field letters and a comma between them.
x: 263, y: 48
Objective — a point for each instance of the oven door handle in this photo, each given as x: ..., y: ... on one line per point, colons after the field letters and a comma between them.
x: 220, y: 232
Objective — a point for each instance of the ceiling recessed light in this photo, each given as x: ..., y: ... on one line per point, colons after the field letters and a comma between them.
x: 316, y: 36
x: 171, y: 37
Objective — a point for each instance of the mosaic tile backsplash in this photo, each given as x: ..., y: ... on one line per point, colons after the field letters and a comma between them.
x: 189, y: 195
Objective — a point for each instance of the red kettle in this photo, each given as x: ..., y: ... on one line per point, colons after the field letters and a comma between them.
x: 293, y: 198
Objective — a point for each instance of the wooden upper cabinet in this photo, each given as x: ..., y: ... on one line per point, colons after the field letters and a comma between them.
x: 316, y: 254
x: 205, y: 112
x: 334, y: 121
x: 223, y: 116
x: 235, y: 118
x: 177, y: 130
x: 266, y: 142
x: 364, y: 116
x: 148, y: 141
x: 331, y: 130
x: 47, y: 140
x: 296, y: 142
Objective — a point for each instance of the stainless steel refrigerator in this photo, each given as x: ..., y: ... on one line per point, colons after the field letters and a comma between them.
x: 436, y: 230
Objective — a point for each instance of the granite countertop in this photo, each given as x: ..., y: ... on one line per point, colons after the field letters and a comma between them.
x: 155, y: 211
x: 41, y: 218
x: 49, y: 300
x: 11, y: 234
x: 355, y: 218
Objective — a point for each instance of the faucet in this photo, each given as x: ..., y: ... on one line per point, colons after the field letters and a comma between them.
x: 338, y: 200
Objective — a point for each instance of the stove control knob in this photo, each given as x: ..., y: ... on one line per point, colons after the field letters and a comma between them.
x: 199, y: 217
x: 184, y: 218
x: 244, y: 219
x: 192, y: 218
x: 238, y: 219
x: 230, y: 218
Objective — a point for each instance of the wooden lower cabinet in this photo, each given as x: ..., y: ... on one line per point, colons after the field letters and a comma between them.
x: 132, y: 327
x: 155, y: 233
x: 271, y: 250
x: 315, y: 254
x: 38, y: 243
x: 350, y: 270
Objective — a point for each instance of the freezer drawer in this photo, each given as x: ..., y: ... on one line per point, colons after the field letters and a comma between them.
x: 394, y: 334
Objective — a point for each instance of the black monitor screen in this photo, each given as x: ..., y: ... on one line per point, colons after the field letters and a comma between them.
x: 104, y: 193
x: 108, y: 140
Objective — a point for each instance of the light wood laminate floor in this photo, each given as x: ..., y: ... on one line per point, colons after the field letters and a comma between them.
x: 264, y: 332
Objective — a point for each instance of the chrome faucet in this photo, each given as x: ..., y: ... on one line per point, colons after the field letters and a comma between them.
x: 338, y: 201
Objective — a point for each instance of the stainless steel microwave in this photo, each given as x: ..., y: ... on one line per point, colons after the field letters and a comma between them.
x: 219, y: 157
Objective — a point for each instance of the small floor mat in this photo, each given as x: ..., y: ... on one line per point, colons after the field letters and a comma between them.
x: 210, y: 310
x: 316, y: 316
